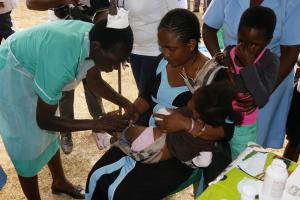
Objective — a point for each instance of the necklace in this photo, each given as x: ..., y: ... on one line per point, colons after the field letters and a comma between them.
x: 183, y: 70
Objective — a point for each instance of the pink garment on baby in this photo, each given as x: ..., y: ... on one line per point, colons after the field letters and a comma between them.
x: 252, y: 117
x: 144, y: 140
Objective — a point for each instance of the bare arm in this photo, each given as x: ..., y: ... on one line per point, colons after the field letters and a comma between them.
x: 103, y: 89
x: 210, y: 39
x: 288, y: 58
x: 46, y: 4
x: 176, y: 122
x: 141, y: 105
x: 46, y: 119
x: 210, y: 132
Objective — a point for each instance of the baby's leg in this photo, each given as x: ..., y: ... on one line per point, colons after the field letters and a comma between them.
x: 132, y: 133
x: 141, y: 137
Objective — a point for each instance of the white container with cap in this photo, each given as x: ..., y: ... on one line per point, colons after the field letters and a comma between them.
x: 248, y: 192
x: 275, y: 180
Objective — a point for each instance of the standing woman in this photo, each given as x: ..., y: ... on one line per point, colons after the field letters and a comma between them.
x: 144, y: 17
x: 36, y: 65
x: 285, y: 44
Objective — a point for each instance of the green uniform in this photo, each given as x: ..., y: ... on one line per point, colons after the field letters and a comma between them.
x: 38, y: 62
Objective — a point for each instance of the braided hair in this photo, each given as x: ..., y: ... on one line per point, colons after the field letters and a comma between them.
x: 183, y: 23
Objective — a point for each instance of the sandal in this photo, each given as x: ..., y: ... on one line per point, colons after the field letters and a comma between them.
x: 77, y: 192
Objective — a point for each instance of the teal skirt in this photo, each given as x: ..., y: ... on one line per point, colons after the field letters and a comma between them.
x: 30, y: 168
x: 241, y: 136
x: 28, y: 146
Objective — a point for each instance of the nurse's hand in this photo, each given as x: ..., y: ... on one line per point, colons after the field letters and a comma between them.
x: 131, y: 112
x: 111, y: 123
x: 172, y: 123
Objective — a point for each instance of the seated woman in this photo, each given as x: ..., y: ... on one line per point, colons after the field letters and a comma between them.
x: 123, y: 177
x: 209, y: 105
x: 178, y: 39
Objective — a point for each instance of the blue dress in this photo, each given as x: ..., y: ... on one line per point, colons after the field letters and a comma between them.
x: 166, y: 96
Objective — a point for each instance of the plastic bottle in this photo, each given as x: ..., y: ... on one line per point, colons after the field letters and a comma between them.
x: 275, y: 180
x: 248, y: 192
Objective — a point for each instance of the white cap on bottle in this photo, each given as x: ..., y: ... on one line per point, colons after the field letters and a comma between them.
x: 249, y: 191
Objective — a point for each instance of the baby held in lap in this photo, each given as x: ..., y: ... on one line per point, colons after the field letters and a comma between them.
x: 209, y: 105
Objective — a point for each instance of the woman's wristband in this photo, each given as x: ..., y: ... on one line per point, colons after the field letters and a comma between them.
x: 202, y: 129
x: 192, y: 126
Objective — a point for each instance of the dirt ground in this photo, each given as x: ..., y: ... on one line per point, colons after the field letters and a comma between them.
x: 85, y: 152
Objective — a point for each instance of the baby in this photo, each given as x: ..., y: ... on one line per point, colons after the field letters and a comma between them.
x: 210, y: 105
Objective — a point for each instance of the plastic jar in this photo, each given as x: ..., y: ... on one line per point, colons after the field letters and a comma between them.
x: 275, y: 180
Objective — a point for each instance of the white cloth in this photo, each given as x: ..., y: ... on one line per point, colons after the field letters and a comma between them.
x: 118, y: 21
x: 144, y: 17
x: 52, y: 16
x: 203, y: 160
x: 8, y: 5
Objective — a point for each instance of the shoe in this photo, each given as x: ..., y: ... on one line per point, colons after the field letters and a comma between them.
x: 66, y: 143
x: 77, y: 192
x: 102, y: 140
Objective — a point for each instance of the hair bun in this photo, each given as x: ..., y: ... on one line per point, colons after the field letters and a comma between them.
x: 118, y: 21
